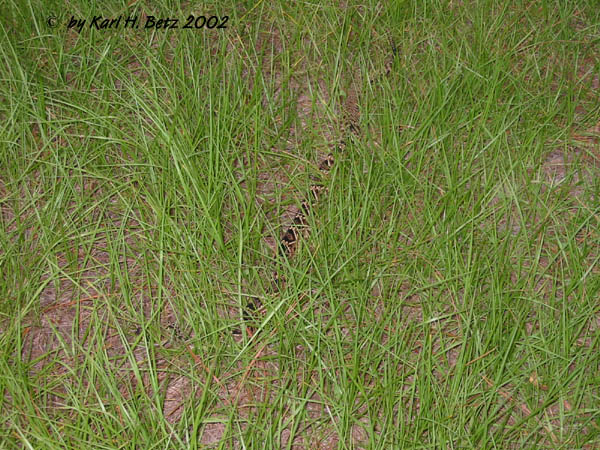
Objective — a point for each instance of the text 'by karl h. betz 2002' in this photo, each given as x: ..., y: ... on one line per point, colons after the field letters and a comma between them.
x: 133, y: 22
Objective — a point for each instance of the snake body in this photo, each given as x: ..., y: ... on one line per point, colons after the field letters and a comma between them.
x: 288, y: 242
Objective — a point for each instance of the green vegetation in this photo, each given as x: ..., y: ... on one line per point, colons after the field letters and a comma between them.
x: 446, y: 297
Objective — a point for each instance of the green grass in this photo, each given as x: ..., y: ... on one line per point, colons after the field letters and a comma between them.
x: 447, y: 296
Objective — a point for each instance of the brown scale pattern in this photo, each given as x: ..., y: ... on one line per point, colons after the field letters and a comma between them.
x: 288, y: 242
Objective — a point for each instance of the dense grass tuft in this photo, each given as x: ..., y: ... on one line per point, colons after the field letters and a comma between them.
x: 446, y: 297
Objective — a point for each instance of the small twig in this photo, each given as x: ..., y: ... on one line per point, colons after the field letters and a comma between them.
x: 480, y: 357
